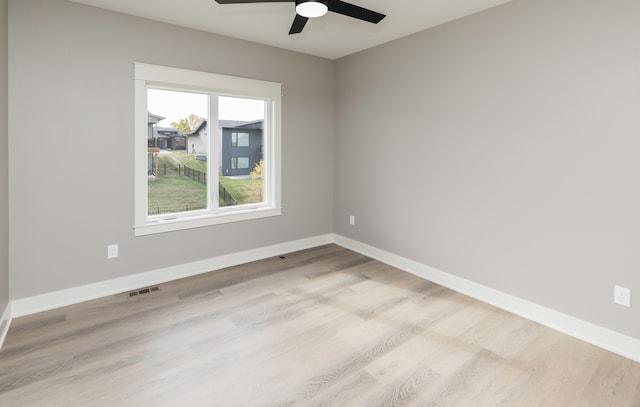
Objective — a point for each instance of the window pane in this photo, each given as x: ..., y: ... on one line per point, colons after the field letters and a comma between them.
x: 239, y: 139
x: 243, y: 162
x: 178, y: 148
x: 241, y: 122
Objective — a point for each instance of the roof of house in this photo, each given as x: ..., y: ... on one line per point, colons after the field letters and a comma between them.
x: 167, y: 132
x: 197, y: 129
x: 155, y: 116
x: 236, y: 124
x: 167, y: 129
x: 231, y: 124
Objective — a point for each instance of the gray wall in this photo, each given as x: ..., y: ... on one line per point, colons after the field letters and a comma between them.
x: 503, y: 148
x: 4, y: 157
x: 71, y: 139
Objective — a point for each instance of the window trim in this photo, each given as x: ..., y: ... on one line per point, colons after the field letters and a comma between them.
x: 154, y: 75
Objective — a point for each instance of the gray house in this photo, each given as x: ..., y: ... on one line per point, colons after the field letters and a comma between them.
x: 241, y: 146
x: 163, y: 137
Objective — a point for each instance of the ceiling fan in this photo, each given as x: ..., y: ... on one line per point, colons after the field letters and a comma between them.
x: 306, y: 9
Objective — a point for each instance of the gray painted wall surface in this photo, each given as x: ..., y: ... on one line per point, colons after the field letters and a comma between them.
x: 503, y: 148
x: 71, y: 134
x: 4, y: 166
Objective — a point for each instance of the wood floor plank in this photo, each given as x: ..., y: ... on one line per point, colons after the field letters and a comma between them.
x: 316, y: 328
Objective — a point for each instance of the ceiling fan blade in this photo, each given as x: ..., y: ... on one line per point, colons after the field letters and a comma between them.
x: 298, y: 24
x: 354, y: 11
x: 252, y: 1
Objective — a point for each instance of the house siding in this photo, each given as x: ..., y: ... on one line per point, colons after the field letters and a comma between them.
x: 253, y: 152
x: 197, y: 142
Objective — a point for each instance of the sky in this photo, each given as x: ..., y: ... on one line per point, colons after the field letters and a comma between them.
x: 178, y: 105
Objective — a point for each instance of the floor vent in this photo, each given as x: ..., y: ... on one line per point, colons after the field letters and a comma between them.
x: 143, y: 291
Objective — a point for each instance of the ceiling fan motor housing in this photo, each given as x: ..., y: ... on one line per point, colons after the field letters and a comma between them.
x: 311, y: 8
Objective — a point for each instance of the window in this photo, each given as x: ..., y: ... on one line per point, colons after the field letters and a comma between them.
x: 239, y: 163
x: 240, y: 139
x: 200, y: 182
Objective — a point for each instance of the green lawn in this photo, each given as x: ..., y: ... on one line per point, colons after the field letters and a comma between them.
x: 173, y: 192
x: 184, y: 158
x: 238, y: 188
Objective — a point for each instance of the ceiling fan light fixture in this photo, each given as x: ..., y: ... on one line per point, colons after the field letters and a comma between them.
x: 311, y: 8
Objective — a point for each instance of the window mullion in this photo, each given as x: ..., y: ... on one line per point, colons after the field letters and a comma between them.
x: 214, y: 154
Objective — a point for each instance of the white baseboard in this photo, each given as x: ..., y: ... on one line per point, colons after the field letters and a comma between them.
x: 5, y: 322
x: 607, y: 339
x: 57, y: 299
x: 596, y: 335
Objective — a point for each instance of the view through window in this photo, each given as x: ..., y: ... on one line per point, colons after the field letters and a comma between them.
x: 197, y: 160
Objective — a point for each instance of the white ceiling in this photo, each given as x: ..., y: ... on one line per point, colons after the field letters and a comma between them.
x: 332, y: 36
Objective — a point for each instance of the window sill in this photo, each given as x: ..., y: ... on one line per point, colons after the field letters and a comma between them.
x: 171, y: 225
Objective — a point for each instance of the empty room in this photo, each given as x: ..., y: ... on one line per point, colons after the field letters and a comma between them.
x: 319, y: 203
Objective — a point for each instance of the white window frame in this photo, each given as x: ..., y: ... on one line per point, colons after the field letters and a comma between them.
x: 155, y: 76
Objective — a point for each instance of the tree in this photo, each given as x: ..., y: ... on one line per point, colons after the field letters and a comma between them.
x: 188, y: 124
x: 254, y: 192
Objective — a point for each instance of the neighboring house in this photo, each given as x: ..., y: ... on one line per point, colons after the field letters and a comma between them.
x: 163, y: 137
x: 197, y: 139
x: 168, y: 137
x: 152, y: 123
x: 241, y: 146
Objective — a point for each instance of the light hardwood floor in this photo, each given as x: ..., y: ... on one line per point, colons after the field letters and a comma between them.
x: 320, y: 327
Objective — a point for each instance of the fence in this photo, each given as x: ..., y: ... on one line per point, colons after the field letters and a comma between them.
x: 160, y: 210
x: 195, y: 175
x: 201, y: 177
x: 225, y: 197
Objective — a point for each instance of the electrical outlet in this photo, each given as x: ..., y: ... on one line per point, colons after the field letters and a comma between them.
x: 112, y: 251
x: 622, y: 296
x: 352, y: 220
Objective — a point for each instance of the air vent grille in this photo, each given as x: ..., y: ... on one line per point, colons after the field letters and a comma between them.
x: 143, y: 291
